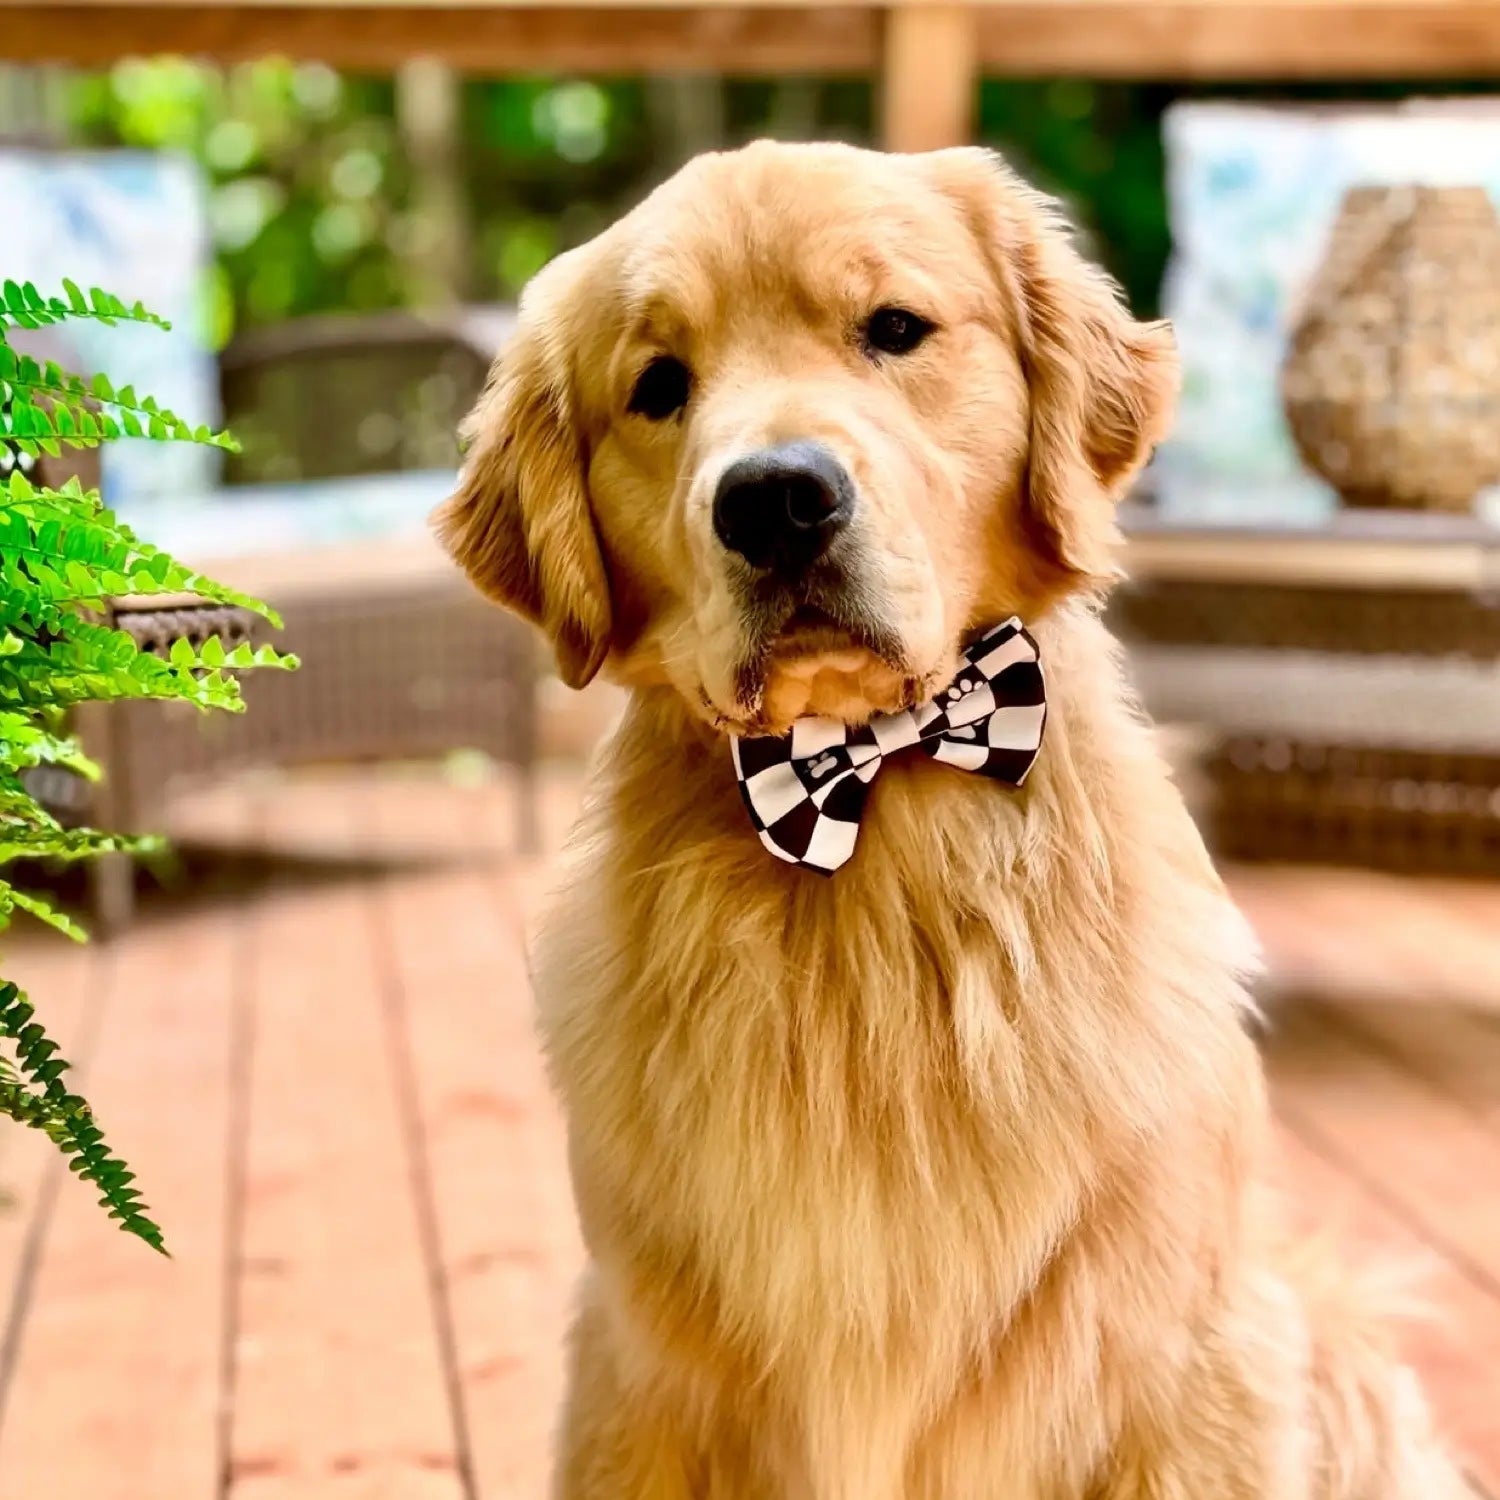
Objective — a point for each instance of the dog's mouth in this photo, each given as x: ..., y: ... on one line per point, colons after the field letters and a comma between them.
x: 827, y: 655
x: 826, y: 628
x: 811, y: 631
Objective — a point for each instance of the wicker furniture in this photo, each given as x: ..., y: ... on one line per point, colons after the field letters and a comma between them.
x: 322, y: 397
x: 400, y: 657
x: 1391, y: 383
x: 1345, y: 680
x: 115, y: 802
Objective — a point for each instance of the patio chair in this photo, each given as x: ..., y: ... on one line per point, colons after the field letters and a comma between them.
x: 400, y: 660
x: 320, y: 398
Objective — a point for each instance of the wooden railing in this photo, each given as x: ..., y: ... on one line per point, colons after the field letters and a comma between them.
x: 928, y: 56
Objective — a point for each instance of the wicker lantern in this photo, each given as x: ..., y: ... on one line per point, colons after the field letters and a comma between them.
x: 1392, y: 379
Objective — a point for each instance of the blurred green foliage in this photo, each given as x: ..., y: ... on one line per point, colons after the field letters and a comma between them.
x: 305, y: 181
x: 315, y: 204
x: 311, y: 203
x: 1099, y: 147
x: 312, y: 208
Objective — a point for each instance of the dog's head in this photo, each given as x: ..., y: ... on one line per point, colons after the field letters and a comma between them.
x: 790, y: 432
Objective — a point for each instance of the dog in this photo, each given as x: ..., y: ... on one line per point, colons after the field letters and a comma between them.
x: 943, y: 1177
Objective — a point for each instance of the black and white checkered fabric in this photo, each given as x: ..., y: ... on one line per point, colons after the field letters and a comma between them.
x: 806, y: 791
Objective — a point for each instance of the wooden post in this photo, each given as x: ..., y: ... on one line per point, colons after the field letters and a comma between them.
x: 686, y: 113
x: 438, y: 265
x: 111, y: 877
x: 930, y: 76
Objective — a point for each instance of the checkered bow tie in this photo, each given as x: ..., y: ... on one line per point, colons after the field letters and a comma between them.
x: 806, y: 791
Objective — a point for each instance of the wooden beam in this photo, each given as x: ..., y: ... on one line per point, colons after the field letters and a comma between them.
x: 1274, y: 10
x: 924, y: 48
x: 1322, y: 557
x: 495, y: 39
x: 1224, y: 39
x: 930, y: 79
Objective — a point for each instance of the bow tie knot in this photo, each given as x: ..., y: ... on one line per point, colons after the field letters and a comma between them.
x: 806, y: 791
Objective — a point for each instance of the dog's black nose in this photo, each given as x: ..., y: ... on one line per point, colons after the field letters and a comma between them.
x: 782, y: 507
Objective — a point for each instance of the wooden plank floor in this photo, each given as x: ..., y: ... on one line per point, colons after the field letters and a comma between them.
x: 317, y: 1054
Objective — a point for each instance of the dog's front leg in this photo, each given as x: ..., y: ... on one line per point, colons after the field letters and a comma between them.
x: 609, y: 1447
x: 619, y: 1442
x: 1235, y: 1431
x: 1245, y: 1467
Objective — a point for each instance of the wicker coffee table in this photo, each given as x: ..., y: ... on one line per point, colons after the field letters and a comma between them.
x: 1345, y: 679
x: 400, y: 657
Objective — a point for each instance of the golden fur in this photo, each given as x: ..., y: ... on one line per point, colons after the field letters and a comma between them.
x: 941, y: 1179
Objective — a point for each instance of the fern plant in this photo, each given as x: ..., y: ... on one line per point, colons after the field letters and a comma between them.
x: 63, y: 557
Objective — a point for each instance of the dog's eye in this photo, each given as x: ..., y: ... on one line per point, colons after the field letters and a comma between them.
x: 662, y: 388
x: 895, y: 330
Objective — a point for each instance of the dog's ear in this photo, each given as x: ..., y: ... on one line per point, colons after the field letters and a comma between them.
x: 1102, y: 385
x: 520, y: 523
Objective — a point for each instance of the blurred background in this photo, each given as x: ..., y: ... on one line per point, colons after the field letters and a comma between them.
x: 308, y: 1029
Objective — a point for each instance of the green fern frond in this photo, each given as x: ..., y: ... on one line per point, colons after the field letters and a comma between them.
x: 38, y: 840
x: 49, y: 406
x: 46, y: 912
x: 32, y: 1093
x: 24, y: 306
x: 71, y: 671
x: 75, y: 551
x: 64, y: 557
x: 25, y: 744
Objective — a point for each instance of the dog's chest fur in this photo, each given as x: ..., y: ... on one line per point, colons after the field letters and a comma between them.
x: 858, y: 1125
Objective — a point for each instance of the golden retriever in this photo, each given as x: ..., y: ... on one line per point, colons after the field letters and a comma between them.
x: 941, y: 1179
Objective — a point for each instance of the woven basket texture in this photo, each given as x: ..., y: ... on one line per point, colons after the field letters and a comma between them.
x: 1391, y: 383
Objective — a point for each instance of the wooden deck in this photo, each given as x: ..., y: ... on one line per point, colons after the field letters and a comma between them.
x: 318, y: 1056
